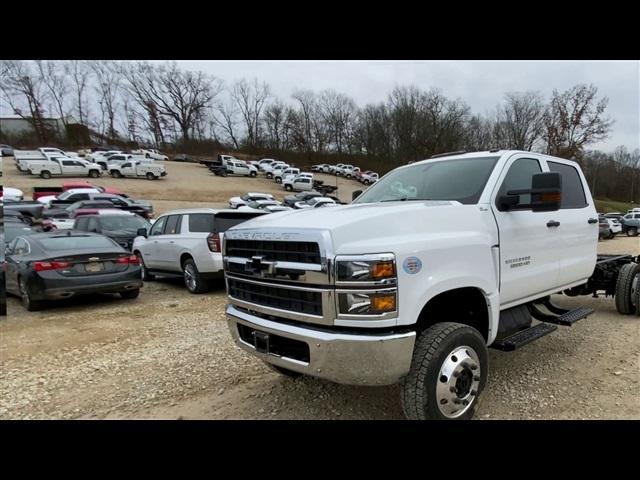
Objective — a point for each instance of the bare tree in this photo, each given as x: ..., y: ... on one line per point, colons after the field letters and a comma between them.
x: 22, y: 86
x: 250, y: 98
x: 80, y: 76
x: 55, y: 79
x: 338, y: 113
x: 226, y: 117
x: 575, y: 118
x: 520, y: 121
x: 108, y: 84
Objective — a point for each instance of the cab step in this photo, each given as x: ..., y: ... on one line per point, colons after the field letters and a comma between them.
x: 521, y: 338
x: 560, y: 316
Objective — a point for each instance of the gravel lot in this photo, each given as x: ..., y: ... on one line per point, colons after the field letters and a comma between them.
x: 168, y: 354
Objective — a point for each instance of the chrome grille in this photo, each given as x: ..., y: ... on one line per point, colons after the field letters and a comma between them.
x: 285, y: 251
x: 305, y: 302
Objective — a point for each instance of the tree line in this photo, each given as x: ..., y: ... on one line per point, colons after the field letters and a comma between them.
x: 142, y: 103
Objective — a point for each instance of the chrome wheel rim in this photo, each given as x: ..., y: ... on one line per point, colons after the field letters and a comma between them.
x: 458, y: 382
x: 190, y: 277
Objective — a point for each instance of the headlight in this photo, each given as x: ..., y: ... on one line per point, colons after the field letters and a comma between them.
x: 378, y: 268
x: 364, y: 303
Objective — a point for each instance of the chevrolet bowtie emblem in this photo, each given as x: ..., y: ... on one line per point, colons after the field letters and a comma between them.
x: 257, y: 265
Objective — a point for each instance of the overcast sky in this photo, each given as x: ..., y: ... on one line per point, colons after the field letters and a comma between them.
x: 480, y: 83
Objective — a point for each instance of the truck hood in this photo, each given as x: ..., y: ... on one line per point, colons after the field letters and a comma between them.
x: 360, y: 224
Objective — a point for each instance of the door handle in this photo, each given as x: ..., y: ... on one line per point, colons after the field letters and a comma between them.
x: 553, y: 223
x: 592, y: 220
x: 171, y: 241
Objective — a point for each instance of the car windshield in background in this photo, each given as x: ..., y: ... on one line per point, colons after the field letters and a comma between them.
x: 76, y: 242
x: 462, y: 180
x: 113, y: 223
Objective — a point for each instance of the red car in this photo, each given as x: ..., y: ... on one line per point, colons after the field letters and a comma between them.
x: 46, y: 191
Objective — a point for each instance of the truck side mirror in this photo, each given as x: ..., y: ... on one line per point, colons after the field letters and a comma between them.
x: 546, y: 192
x: 355, y: 195
x: 142, y: 232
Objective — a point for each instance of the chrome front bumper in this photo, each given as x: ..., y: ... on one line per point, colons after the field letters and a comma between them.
x: 342, y: 358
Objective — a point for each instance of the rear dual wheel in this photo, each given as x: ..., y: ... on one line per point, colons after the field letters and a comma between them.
x: 627, y: 295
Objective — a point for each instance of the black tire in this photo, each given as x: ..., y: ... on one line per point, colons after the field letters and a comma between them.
x: 27, y: 302
x: 435, y: 346
x: 611, y: 234
x: 45, y: 174
x: 632, y: 231
x: 283, y: 371
x: 223, y: 173
x: 288, y: 188
x: 635, y: 293
x: 269, y: 175
x: 130, y: 294
x: 253, y: 174
x: 150, y: 176
x: 94, y: 173
x: 146, y: 276
x: 192, y: 278
x: 366, y: 182
x: 115, y: 173
x: 623, y: 288
x: 278, y: 180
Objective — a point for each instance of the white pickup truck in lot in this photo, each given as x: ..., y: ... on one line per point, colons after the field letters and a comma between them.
x: 413, y: 281
x: 63, y: 167
x: 137, y: 169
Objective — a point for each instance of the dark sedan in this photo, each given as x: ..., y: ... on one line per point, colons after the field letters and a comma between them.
x: 70, y: 210
x: 291, y: 200
x: 121, y: 227
x: 52, y: 266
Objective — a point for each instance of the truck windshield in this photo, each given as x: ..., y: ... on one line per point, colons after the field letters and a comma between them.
x: 462, y: 180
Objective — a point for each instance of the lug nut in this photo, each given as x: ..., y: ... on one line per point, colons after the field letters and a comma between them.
x: 474, y: 367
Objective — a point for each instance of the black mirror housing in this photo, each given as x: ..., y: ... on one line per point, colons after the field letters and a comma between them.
x: 142, y: 232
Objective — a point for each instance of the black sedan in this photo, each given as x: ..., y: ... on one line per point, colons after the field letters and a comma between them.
x: 122, y: 227
x: 52, y: 266
x: 291, y: 200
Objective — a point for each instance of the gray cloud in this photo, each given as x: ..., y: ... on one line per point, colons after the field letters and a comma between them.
x: 480, y: 83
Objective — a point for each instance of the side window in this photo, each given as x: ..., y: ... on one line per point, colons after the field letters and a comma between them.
x: 157, y: 227
x: 68, y: 163
x: 92, y: 225
x: 21, y: 247
x: 572, y: 190
x: 519, y: 177
x: 173, y: 225
x: 124, y: 165
x: 81, y: 224
x: 201, y: 222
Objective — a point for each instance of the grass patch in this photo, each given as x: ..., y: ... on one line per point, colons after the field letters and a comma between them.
x: 605, y: 206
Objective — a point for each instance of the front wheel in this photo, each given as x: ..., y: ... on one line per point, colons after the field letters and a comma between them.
x: 115, y: 174
x: 146, y: 276
x: 150, y: 176
x: 253, y: 174
x: 278, y: 180
x: 288, y: 188
x: 448, y: 373
x: 46, y: 175
x: 94, y: 173
x: 632, y: 231
x: 269, y: 175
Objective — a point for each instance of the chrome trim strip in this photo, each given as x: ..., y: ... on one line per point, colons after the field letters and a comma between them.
x: 279, y: 285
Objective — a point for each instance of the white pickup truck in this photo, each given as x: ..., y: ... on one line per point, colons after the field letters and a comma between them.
x: 63, y: 167
x: 151, y: 153
x: 413, y: 281
x: 136, y: 169
x: 299, y: 183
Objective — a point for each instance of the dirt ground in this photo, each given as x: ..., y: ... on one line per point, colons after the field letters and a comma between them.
x: 187, y: 185
x: 169, y: 355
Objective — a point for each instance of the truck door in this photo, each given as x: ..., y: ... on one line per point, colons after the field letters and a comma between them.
x: 579, y: 239
x: 302, y: 184
x: 127, y: 169
x: 528, y: 247
x: 151, y: 246
x: 168, y: 245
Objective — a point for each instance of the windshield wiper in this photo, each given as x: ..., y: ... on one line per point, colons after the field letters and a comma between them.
x: 405, y: 199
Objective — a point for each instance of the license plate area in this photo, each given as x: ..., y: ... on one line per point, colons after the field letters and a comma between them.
x: 261, y: 341
x: 94, y: 267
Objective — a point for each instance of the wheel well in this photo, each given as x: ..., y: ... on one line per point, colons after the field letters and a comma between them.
x: 462, y: 305
x: 184, y: 257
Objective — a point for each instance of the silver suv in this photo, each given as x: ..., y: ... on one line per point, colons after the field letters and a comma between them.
x: 187, y: 243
